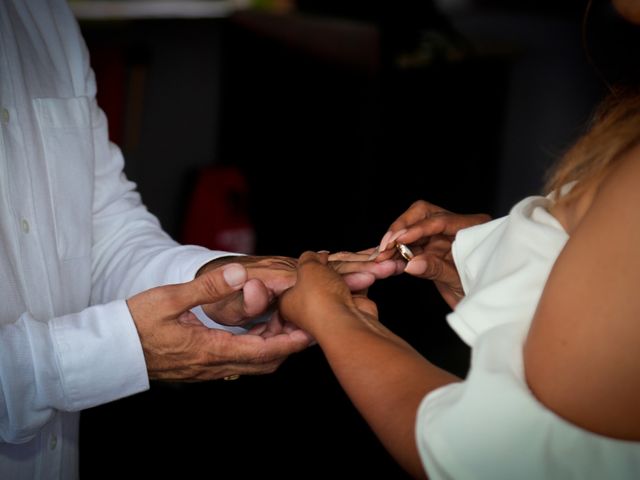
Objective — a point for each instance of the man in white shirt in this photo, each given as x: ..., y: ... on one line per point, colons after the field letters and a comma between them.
x: 76, y: 241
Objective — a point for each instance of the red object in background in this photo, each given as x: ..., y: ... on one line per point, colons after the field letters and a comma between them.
x: 217, y: 216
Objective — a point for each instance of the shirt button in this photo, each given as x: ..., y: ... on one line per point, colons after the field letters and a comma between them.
x: 53, y: 442
x: 5, y: 115
x: 25, y: 226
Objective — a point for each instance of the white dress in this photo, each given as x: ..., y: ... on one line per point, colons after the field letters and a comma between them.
x: 491, y: 426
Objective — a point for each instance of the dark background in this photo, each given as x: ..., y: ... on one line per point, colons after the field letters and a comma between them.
x: 339, y: 115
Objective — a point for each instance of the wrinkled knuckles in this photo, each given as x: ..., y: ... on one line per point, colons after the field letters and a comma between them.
x: 262, y: 357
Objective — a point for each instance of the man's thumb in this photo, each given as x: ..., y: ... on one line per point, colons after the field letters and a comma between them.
x: 213, y: 285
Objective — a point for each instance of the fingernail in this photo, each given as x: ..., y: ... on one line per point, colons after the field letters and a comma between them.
x: 375, y: 254
x: 234, y: 274
x: 398, y: 234
x: 384, y: 241
x: 323, y: 251
x: 416, y: 267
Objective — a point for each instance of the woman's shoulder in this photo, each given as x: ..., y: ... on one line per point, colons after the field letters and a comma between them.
x: 581, y: 355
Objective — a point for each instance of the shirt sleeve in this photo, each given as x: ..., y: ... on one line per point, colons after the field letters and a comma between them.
x: 130, y: 251
x: 68, y: 364
x: 93, y: 356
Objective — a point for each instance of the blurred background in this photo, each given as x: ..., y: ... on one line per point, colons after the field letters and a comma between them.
x: 279, y: 126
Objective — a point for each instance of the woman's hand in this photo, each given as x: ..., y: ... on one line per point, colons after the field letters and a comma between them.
x: 429, y: 231
x: 321, y: 297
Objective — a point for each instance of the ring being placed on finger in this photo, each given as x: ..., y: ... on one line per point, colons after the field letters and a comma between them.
x: 405, y: 251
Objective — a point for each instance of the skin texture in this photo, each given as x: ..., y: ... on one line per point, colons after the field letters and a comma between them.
x: 276, y: 274
x: 581, y: 356
x: 177, y: 347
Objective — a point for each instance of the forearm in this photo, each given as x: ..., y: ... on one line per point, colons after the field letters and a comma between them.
x: 386, y: 380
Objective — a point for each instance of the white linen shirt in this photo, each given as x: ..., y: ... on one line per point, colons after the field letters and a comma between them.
x: 75, y: 241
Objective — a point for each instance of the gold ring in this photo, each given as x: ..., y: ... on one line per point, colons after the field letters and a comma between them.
x: 232, y: 377
x: 405, y: 251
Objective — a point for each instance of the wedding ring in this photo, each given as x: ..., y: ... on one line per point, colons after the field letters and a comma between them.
x: 232, y: 377
x: 405, y: 251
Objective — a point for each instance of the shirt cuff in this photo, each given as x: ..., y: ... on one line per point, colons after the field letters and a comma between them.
x: 99, y: 355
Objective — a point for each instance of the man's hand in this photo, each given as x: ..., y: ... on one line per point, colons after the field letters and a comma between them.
x: 429, y: 231
x: 272, y: 275
x: 178, y: 347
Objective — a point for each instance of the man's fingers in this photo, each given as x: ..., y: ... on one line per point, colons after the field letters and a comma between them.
x: 362, y: 256
x: 255, y: 299
x: 240, y: 306
x: 359, y: 281
x: 210, y: 287
x: 188, y: 318
x: 255, y: 349
x: 274, y: 326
